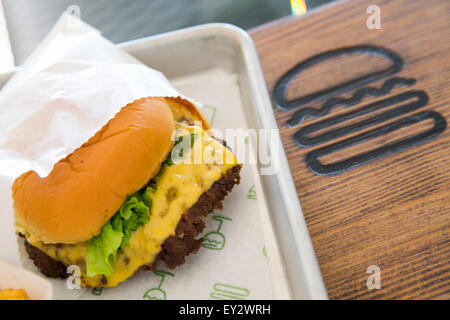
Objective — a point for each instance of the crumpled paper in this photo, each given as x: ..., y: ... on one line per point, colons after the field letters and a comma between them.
x: 66, y: 91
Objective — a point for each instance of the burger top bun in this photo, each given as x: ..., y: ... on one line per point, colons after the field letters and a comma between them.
x: 85, y: 189
x: 183, y: 110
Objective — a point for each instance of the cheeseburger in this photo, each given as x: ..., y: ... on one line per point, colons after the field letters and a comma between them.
x: 132, y: 195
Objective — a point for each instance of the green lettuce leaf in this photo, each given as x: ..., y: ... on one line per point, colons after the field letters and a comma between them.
x: 102, y: 249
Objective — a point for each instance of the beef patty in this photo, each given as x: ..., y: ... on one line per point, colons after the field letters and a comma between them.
x: 176, y: 247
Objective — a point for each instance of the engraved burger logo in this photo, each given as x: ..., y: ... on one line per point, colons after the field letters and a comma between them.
x: 316, y: 133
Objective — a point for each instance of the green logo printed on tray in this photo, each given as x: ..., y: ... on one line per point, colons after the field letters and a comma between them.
x: 97, y: 291
x: 157, y: 293
x: 215, y: 240
x: 210, y: 112
x: 223, y: 291
x: 252, y: 193
x: 264, y: 251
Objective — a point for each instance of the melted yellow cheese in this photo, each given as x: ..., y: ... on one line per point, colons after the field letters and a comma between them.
x: 179, y: 187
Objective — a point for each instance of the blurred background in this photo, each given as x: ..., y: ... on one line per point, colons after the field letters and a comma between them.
x: 28, y: 21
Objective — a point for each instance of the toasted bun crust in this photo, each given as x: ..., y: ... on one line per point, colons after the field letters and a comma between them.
x: 85, y: 189
x: 183, y: 110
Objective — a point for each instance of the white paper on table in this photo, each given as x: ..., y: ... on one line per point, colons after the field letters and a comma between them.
x: 6, y: 56
x: 66, y: 91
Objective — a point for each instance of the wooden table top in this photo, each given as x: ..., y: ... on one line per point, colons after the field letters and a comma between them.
x: 363, y: 114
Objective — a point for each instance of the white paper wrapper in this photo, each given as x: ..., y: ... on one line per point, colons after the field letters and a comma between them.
x: 65, y: 92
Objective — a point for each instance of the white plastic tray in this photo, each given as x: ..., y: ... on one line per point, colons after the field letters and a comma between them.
x: 221, y: 56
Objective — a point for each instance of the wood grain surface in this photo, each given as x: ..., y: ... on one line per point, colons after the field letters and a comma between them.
x: 394, y: 210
